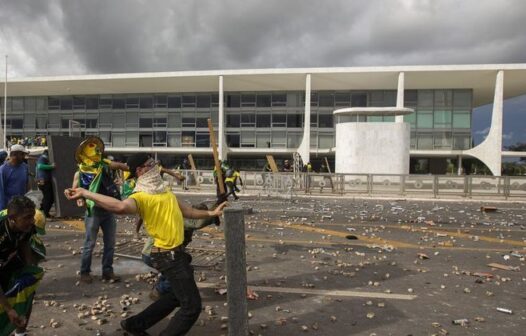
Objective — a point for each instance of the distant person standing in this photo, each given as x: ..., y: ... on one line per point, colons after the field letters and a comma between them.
x: 44, y: 182
x: 14, y: 175
x: 287, y: 168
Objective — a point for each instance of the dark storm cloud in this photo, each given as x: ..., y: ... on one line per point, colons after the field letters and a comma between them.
x: 98, y: 36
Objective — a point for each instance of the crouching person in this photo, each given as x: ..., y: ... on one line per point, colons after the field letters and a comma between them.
x: 20, y: 251
x: 163, y: 220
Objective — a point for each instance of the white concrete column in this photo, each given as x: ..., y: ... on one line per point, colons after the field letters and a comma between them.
x: 221, y: 140
x: 400, y: 95
x: 459, y: 171
x: 304, y: 148
x: 490, y: 150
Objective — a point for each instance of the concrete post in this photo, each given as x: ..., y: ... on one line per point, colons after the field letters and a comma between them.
x: 304, y: 148
x: 400, y: 96
x: 459, y: 172
x: 236, y: 271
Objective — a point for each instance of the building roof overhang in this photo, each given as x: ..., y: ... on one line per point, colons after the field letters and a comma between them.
x: 480, y: 78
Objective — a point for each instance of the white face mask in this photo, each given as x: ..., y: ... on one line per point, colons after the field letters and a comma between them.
x: 151, y: 182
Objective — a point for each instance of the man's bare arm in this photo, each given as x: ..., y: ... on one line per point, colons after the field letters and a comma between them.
x: 128, y: 206
x: 192, y: 213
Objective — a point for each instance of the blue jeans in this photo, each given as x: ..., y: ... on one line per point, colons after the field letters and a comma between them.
x: 105, y: 221
x: 162, y: 285
x: 177, y: 269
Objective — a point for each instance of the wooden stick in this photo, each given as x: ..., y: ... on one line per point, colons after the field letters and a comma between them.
x: 219, y: 172
x: 272, y: 163
x: 192, y: 165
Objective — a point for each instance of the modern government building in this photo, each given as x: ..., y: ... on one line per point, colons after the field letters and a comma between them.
x: 270, y: 111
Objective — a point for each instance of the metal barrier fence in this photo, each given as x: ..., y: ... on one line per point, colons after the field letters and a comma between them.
x: 289, y: 184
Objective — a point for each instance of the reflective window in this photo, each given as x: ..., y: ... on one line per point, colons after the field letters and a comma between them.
x: 202, y: 140
x: 461, y: 120
x: 161, y: 101
x: 248, y: 100
x: 425, y: 98
x: 92, y: 102
x: 325, y: 120
x: 279, y: 99
x: 442, y: 119
x: 424, y: 120
x: 326, y: 100
x: 132, y: 102
x: 66, y: 103
x: 262, y: 120
x: 294, y: 120
x: 105, y: 102
x: 232, y: 139
x: 359, y: 100
x: 189, y: 101
x: 203, y: 101
x: 279, y: 120
x: 145, y: 122
x: 146, y: 102
x: 342, y: 99
x: 174, y: 102
x: 233, y: 120
x: 248, y: 119
x: 119, y: 103
x: 462, y: 99
x: 263, y: 100
x: 79, y: 102
x: 17, y: 103
x: 233, y: 100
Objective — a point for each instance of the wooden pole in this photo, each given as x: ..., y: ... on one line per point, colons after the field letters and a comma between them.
x: 219, y: 172
x: 329, y: 169
x: 192, y: 165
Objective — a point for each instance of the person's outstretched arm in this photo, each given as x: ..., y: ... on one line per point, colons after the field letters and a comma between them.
x: 192, y: 213
x: 128, y: 206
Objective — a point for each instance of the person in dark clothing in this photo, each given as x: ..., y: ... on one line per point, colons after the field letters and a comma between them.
x: 45, y: 185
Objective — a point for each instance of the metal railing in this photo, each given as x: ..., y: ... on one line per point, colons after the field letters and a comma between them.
x: 468, y: 186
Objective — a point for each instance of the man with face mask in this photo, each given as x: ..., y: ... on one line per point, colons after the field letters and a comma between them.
x: 163, y: 220
x: 19, y: 274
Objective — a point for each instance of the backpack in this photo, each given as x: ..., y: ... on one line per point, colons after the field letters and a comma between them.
x: 229, y: 172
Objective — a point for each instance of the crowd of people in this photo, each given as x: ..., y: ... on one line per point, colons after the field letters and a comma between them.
x: 105, y: 188
x: 28, y: 142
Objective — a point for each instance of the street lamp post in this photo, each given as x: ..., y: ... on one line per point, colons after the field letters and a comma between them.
x: 5, y: 106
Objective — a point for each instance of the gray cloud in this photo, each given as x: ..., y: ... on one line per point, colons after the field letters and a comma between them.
x: 75, y: 37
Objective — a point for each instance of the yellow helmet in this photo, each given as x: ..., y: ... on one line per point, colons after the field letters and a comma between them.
x: 40, y: 222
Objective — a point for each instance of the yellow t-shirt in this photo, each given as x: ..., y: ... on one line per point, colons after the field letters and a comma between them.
x: 163, y: 219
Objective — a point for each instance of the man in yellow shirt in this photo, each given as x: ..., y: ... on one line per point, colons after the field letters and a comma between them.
x: 163, y: 220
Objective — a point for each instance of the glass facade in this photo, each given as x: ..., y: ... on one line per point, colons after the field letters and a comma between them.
x: 252, y: 119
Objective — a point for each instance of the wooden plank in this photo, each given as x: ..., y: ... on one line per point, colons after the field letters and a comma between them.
x: 329, y: 169
x: 272, y: 163
x: 192, y: 166
x: 336, y: 293
x: 219, y: 172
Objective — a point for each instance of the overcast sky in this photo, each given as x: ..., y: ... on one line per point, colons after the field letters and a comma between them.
x: 53, y: 37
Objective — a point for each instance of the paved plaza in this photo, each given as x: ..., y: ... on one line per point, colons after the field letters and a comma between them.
x: 319, y: 266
